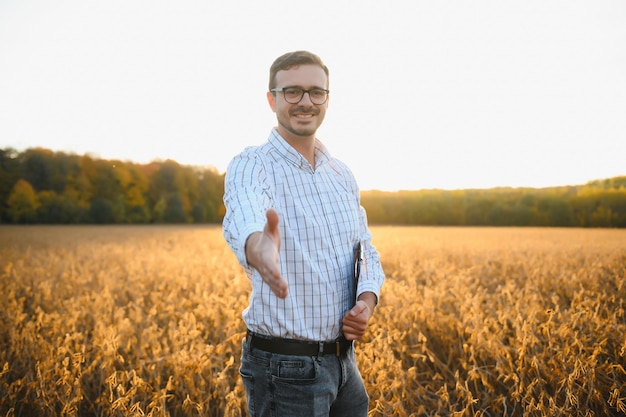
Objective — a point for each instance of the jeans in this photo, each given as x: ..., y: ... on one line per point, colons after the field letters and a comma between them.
x: 302, y: 386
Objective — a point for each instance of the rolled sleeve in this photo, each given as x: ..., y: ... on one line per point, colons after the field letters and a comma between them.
x: 372, y: 274
x: 246, y: 202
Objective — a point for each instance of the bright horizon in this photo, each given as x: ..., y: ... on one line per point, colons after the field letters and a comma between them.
x: 449, y: 95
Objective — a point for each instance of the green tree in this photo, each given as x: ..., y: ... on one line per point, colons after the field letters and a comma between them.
x: 174, y: 212
x: 158, y: 212
x: 102, y: 211
x: 23, y: 203
x: 601, y: 217
x: 9, y: 174
x: 499, y: 215
x: 210, y: 195
x: 63, y: 209
x: 134, y: 187
x: 165, y: 180
x: 477, y: 209
x: 37, y: 168
x: 197, y: 213
x: 108, y: 204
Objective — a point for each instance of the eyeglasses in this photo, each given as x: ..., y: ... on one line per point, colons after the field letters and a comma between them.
x: 293, y: 95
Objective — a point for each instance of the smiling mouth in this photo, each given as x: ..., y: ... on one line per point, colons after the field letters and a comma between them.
x: 303, y: 113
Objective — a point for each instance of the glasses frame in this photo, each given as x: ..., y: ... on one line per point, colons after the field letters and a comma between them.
x: 282, y: 90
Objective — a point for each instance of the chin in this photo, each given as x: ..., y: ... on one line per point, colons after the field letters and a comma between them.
x: 303, y: 132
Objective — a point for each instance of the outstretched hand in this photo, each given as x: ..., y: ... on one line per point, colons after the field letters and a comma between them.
x: 262, y: 253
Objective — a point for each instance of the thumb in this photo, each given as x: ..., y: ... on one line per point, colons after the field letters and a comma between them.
x: 358, y: 308
x: 271, y: 227
x: 272, y: 220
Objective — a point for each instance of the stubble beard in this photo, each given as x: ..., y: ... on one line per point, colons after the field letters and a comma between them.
x: 290, y: 124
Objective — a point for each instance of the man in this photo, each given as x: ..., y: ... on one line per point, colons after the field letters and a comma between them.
x: 293, y: 219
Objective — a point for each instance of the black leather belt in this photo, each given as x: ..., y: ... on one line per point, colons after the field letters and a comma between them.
x: 338, y: 347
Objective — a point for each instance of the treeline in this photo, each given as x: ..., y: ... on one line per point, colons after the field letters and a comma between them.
x: 596, y: 204
x: 42, y: 186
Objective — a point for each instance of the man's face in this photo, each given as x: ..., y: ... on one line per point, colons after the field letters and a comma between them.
x: 300, y: 120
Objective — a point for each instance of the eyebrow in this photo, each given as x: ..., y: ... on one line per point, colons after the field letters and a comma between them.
x: 301, y: 87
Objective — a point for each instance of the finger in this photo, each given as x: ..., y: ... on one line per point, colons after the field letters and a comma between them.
x: 280, y: 288
x: 281, y: 292
x: 355, y: 322
x: 277, y: 283
x: 350, y: 336
x: 352, y: 331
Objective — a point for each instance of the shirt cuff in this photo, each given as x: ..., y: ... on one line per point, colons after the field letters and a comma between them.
x: 243, y: 238
x: 368, y: 286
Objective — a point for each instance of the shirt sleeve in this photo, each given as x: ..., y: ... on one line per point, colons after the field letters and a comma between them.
x: 372, y: 275
x: 246, y: 199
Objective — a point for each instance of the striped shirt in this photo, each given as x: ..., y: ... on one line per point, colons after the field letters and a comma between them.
x: 321, y: 221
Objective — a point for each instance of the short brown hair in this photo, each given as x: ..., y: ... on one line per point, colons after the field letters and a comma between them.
x: 293, y: 59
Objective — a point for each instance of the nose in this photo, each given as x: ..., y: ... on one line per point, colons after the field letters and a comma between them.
x: 308, y: 98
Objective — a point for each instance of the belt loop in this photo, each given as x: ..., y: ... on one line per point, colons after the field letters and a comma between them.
x: 321, y: 349
x: 337, y: 348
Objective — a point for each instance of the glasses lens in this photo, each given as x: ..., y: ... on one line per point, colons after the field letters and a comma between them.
x: 293, y: 95
x: 318, y: 96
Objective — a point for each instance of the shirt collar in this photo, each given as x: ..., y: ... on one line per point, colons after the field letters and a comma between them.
x: 290, y: 154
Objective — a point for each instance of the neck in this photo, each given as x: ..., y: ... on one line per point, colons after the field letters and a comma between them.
x: 305, y: 145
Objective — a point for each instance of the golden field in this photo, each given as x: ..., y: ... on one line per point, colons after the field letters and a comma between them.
x: 146, y: 320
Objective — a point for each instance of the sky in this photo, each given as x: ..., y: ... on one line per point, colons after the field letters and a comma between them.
x: 448, y: 94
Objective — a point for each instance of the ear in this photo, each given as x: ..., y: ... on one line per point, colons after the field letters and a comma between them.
x: 271, y: 99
